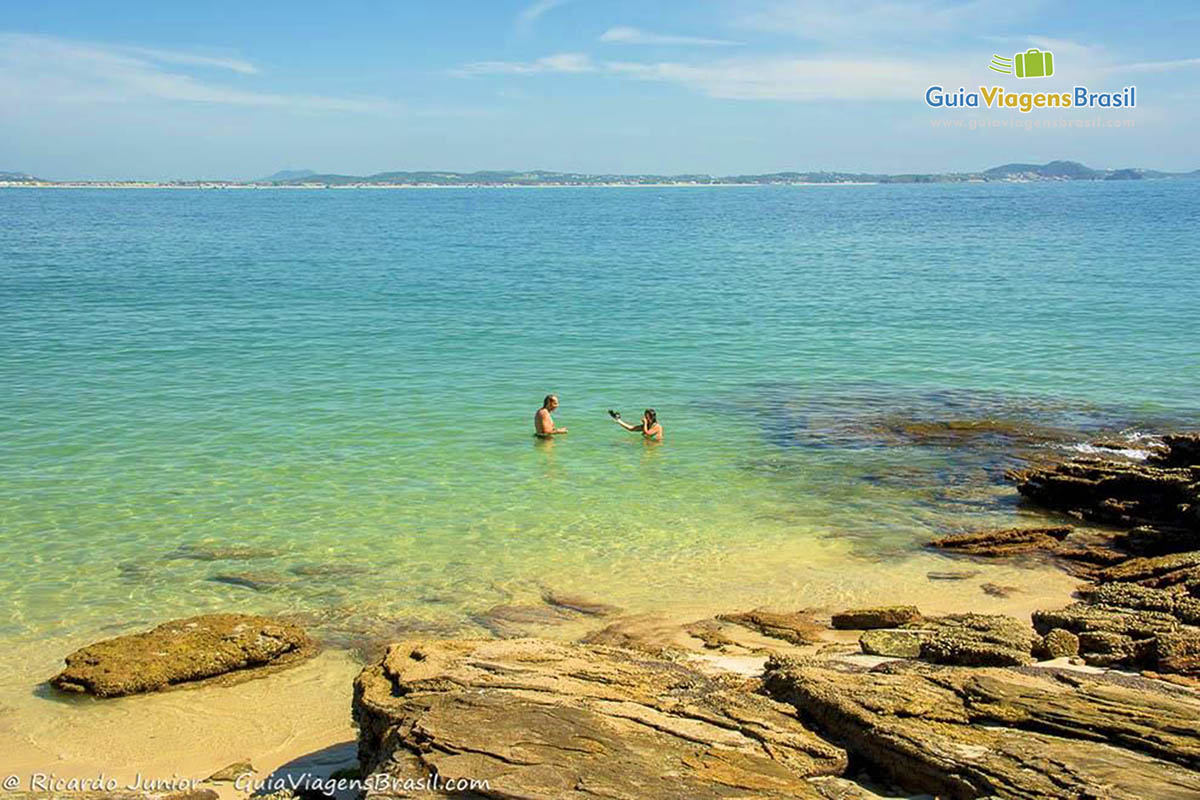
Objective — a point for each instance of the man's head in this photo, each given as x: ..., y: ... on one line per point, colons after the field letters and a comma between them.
x: 551, y: 402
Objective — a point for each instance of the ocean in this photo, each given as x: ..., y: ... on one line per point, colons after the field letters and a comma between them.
x: 321, y: 402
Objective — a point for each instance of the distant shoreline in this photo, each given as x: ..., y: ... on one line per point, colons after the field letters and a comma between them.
x: 540, y: 179
x: 244, y: 186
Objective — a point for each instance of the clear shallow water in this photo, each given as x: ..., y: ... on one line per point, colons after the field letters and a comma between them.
x: 340, y: 386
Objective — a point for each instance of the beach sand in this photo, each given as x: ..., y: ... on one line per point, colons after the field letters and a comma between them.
x: 299, y: 719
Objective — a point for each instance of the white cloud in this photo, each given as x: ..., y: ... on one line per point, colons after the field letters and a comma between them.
x: 623, y: 34
x: 40, y: 69
x: 792, y: 79
x: 536, y: 10
x: 560, y: 62
x: 195, y: 59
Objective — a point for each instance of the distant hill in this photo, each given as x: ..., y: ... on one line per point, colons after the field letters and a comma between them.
x: 1127, y: 175
x: 1071, y: 170
x: 287, y: 175
x: 15, y: 177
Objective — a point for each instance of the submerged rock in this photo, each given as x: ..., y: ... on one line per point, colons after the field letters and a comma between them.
x: 221, y: 552
x: 206, y: 648
x: 257, y: 581
x: 515, y: 621
x: 538, y: 719
x: 974, y: 733
x: 1004, y: 542
x: 581, y: 605
x: 881, y: 617
x: 952, y: 575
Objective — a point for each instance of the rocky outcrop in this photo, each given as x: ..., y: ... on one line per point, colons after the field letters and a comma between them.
x: 971, y: 640
x: 978, y: 640
x: 795, y: 627
x: 892, y: 643
x: 211, y: 648
x: 860, y: 619
x: 1182, y: 450
x: 1005, y: 542
x: 1057, y: 643
x: 973, y: 733
x: 538, y: 719
x: 1158, y: 572
x: 1116, y: 492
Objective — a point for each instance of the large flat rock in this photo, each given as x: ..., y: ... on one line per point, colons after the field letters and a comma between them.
x: 972, y: 733
x: 209, y: 648
x: 539, y: 719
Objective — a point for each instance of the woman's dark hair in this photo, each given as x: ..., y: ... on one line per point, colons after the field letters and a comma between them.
x: 546, y: 400
x: 652, y: 414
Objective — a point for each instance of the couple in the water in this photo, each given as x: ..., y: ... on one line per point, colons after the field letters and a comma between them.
x: 543, y: 424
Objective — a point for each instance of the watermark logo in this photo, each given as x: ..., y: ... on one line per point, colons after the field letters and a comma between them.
x: 1033, y: 63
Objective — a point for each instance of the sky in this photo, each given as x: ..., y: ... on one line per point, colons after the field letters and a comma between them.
x: 131, y: 89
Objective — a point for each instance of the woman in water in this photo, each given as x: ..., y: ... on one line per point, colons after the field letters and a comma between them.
x: 650, y: 428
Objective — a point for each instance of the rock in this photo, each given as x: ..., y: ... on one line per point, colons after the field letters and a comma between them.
x: 1130, y: 595
x: 327, y: 570
x: 1157, y: 540
x: 1106, y: 649
x: 1005, y: 542
x: 514, y: 621
x: 220, y: 552
x: 1115, y: 492
x: 539, y: 719
x: 1058, y: 643
x: 1158, y: 572
x: 258, y: 581
x: 973, y: 733
x: 978, y: 640
x: 1182, y: 450
x: 709, y: 632
x: 211, y: 648
x: 882, y: 617
x: 1178, y: 652
x: 1081, y: 617
x: 998, y: 590
x: 952, y: 575
x: 968, y: 432
x: 650, y: 634
x: 232, y: 772
x: 892, y: 643
x: 796, y: 627
x: 578, y: 604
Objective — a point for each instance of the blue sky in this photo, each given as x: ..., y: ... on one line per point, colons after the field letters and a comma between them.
x: 233, y: 89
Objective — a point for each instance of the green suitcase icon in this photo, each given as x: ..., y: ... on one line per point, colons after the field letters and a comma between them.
x: 1034, y: 63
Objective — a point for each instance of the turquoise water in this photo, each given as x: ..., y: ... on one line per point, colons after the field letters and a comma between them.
x: 334, y: 390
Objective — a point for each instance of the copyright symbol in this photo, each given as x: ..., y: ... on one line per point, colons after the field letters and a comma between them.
x: 12, y: 782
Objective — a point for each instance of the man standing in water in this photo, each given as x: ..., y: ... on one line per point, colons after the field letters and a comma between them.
x: 543, y: 423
